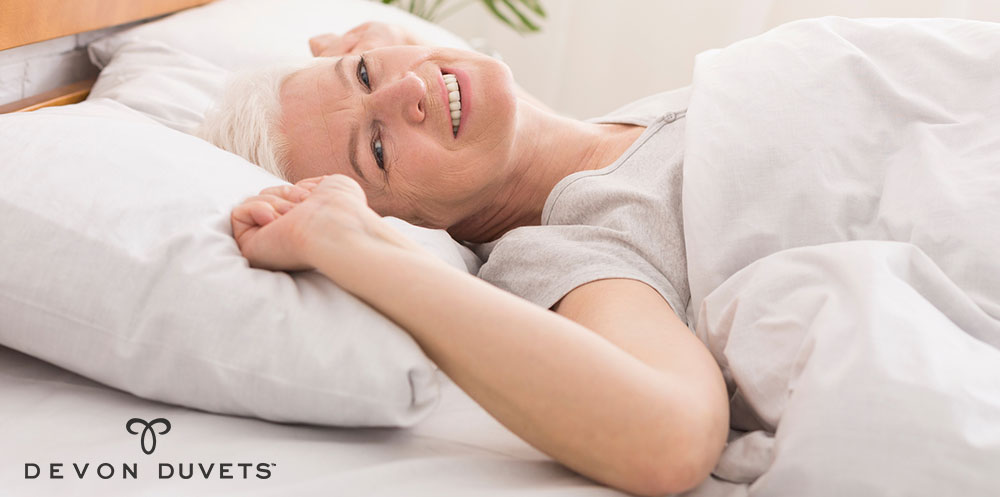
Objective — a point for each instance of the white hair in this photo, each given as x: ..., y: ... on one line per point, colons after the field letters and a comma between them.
x: 246, y: 119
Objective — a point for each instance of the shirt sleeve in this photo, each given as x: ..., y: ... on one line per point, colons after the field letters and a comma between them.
x: 544, y: 263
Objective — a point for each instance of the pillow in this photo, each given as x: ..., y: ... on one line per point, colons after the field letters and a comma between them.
x: 176, y: 89
x: 163, y: 83
x: 119, y: 264
x: 241, y: 34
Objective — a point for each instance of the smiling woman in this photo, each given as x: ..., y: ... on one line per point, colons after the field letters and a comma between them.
x: 384, y: 118
x: 612, y: 384
x: 586, y: 219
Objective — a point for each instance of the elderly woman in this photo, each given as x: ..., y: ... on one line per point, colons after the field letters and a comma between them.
x: 603, y: 373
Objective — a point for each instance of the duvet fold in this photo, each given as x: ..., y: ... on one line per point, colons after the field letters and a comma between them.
x: 841, y: 194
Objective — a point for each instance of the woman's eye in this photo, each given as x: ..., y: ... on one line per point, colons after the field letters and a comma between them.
x: 363, y: 73
x: 378, y: 153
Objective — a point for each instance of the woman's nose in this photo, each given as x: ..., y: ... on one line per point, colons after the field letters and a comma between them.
x: 404, y: 97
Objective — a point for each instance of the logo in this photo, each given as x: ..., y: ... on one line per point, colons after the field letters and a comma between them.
x: 148, y: 430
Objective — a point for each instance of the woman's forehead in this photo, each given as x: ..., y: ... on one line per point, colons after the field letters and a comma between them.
x: 317, y: 98
x: 318, y: 83
x: 317, y: 117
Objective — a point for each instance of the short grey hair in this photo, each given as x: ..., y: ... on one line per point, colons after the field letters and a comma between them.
x: 246, y: 120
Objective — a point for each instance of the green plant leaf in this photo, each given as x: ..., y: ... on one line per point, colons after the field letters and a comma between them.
x: 530, y: 26
x: 513, y: 13
x: 461, y: 4
x: 432, y: 12
x: 490, y: 4
x: 535, y: 6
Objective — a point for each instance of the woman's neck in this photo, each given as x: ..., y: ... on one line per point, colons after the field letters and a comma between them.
x: 549, y: 148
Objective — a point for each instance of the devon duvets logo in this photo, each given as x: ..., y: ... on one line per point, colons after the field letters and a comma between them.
x: 148, y: 432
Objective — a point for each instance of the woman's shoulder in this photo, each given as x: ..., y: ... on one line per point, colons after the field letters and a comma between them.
x: 645, y: 110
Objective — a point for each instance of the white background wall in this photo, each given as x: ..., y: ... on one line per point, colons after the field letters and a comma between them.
x: 595, y: 55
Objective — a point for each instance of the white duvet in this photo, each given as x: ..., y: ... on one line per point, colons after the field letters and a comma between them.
x: 841, y: 201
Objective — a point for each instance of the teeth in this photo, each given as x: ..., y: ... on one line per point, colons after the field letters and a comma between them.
x: 454, y: 101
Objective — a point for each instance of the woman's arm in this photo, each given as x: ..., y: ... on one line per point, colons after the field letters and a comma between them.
x: 639, y: 405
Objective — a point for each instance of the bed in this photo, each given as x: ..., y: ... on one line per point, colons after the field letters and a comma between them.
x: 141, y: 356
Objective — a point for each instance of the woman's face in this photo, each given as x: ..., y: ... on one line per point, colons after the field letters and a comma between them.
x: 383, y: 118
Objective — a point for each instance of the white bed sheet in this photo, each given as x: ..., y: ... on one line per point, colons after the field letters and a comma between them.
x: 49, y: 415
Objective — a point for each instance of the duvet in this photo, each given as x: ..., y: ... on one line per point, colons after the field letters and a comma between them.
x: 841, y: 200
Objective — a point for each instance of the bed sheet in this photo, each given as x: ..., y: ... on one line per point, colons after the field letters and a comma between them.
x: 49, y: 415
x: 53, y: 416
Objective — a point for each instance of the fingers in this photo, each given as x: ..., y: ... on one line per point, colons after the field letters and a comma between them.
x: 325, y: 45
x: 283, y: 198
x: 293, y: 193
x: 368, y: 36
x: 261, y: 212
x: 243, y: 221
x: 332, y: 44
x: 341, y: 184
x: 253, y: 213
x: 278, y: 204
x: 362, y: 37
x: 349, y: 42
x: 365, y: 26
x: 309, y: 183
x: 334, y: 181
x: 258, y: 211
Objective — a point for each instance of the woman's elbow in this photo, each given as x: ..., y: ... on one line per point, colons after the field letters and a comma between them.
x: 657, y: 478
x: 681, y: 461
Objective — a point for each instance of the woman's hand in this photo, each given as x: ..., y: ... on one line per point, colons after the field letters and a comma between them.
x: 363, y: 37
x: 283, y: 227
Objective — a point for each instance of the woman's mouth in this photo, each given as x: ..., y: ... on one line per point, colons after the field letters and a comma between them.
x: 454, y: 101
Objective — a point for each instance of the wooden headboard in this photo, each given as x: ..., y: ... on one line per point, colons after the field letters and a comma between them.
x: 30, y: 21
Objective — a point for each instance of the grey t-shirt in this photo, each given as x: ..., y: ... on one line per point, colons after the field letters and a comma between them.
x: 620, y: 221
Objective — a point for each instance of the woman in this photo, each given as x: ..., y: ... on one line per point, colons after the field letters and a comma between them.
x: 612, y: 383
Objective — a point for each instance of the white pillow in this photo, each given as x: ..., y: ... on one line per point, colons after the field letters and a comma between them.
x: 170, y: 86
x: 241, y: 34
x: 176, y: 89
x: 119, y: 264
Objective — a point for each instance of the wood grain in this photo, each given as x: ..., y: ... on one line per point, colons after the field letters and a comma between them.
x: 69, y: 94
x: 30, y: 21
